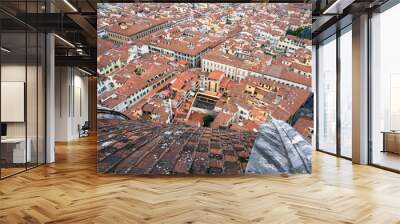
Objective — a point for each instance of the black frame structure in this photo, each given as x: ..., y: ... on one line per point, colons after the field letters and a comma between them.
x: 384, y: 7
x: 336, y: 29
x: 340, y: 30
x: 39, y: 45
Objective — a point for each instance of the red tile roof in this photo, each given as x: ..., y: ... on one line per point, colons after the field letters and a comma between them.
x: 110, y: 100
x: 112, y: 55
x: 103, y: 46
x: 183, y: 62
x: 190, y: 42
x: 196, y: 118
x: 301, y: 67
x: 178, y: 84
x: 251, y: 125
x: 171, y: 149
x: 304, y: 125
x: 220, y: 120
x: 225, y: 83
x: 133, y: 85
x: 134, y: 25
x: 216, y: 75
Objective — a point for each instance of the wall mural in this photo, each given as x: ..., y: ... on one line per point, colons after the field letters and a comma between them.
x: 204, y: 89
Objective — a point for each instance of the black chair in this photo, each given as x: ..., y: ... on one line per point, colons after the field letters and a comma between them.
x: 84, y: 130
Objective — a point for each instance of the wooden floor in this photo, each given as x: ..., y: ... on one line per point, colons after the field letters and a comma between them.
x: 387, y: 159
x: 5, y: 172
x: 70, y: 191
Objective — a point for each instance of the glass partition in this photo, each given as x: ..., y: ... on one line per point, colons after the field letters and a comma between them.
x: 22, y: 88
x: 31, y: 98
x: 13, y: 95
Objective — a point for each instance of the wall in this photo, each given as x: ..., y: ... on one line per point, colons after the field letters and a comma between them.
x: 62, y: 115
x: 71, y: 102
x: 14, y: 73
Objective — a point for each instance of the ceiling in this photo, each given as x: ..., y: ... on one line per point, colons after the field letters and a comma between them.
x: 331, y: 15
x: 74, y: 22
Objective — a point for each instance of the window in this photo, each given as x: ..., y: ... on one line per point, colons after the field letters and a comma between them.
x: 346, y: 93
x: 385, y: 89
x: 327, y: 95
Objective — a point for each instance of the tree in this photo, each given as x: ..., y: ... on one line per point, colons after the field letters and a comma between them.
x: 207, y: 120
x: 139, y: 71
x: 302, y: 32
x: 306, y: 33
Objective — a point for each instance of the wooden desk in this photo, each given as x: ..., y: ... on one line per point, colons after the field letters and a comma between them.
x: 13, y: 150
x: 391, y: 141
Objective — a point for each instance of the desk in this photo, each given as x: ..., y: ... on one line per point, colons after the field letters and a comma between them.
x: 13, y: 150
x: 391, y: 141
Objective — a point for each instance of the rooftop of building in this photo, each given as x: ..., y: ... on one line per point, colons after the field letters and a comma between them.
x: 140, y: 147
x: 258, y: 65
x: 129, y: 25
x: 216, y: 75
x: 107, y: 55
x: 305, y: 125
x: 187, y: 42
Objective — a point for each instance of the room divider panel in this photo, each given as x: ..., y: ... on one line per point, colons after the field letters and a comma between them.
x: 22, y: 87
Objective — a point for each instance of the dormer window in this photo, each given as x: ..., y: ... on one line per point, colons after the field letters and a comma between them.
x: 123, y: 25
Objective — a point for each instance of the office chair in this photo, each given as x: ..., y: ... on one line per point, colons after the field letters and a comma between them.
x: 84, y: 130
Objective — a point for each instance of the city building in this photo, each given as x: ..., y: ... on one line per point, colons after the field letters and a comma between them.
x: 131, y: 28
x: 237, y: 68
x: 183, y: 45
x: 213, y: 81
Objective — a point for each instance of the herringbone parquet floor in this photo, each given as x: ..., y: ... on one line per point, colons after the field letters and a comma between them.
x: 70, y: 191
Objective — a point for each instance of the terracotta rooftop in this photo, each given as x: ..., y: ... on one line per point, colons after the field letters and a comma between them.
x: 134, y: 25
x: 255, y: 60
x: 139, y: 147
x: 304, y: 126
x: 178, y: 84
x: 221, y: 119
x: 184, y: 40
x: 110, y: 100
x: 112, y: 55
x: 301, y: 67
x: 225, y: 83
x: 103, y: 46
x: 216, y: 75
x: 196, y: 119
